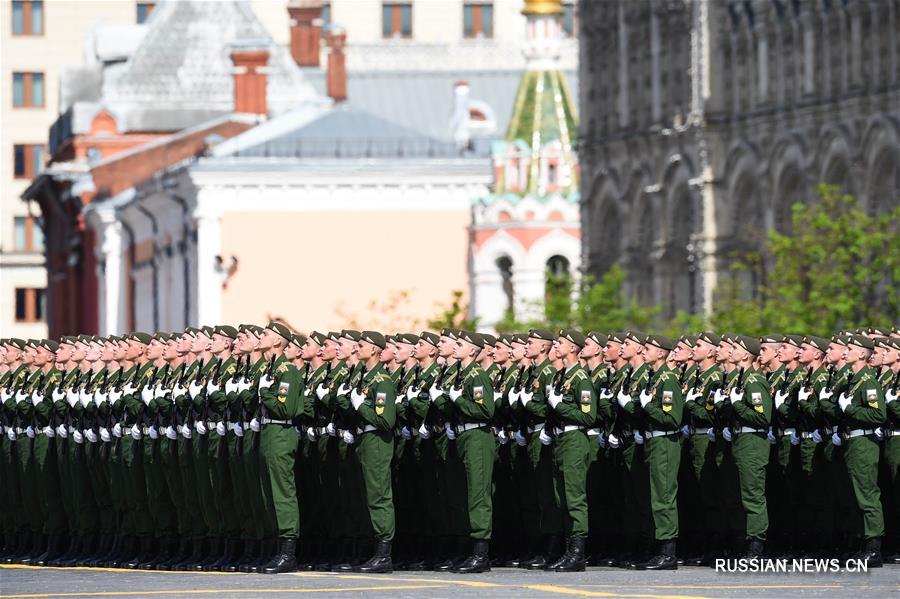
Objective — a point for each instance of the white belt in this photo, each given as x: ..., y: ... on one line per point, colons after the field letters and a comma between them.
x: 461, y: 428
x: 145, y: 430
x: 893, y: 433
x: 211, y: 424
x: 593, y: 432
x: 271, y: 421
x: 245, y: 424
x: 806, y: 435
x: 320, y: 430
x: 749, y: 429
x: 860, y: 432
x: 701, y: 431
x: 652, y: 434
x: 789, y: 431
x: 367, y: 429
x: 535, y: 428
x: 566, y: 429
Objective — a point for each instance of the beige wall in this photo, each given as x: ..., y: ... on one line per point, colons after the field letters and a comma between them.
x: 323, y: 270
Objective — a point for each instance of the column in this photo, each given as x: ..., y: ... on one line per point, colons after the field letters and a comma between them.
x: 209, y: 247
x: 110, y: 272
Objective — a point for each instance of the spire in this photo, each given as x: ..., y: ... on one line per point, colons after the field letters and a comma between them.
x: 544, y: 31
x: 542, y: 8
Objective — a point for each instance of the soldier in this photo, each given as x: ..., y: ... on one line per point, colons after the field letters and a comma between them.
x: 600, y: 515
x: 890, y: 359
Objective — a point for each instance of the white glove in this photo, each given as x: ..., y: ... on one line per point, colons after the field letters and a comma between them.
x: 804, y: 393
x: 645, y: 398
x: 30, y: 432
x: 159, y: 391
x: 435, y: 392
x: 711, y: 434
x: 231, y: 386
x: 525, y: 396
x: 694, y: 394
x: 844, y: 401
x: 76, y: 436
x: 424, y: 432
x: 136, y: 432
x: 685, y: 431
x: 357, y: 398
x: 613, y: 441
x: 736, y: 395
x: 455, y: 393
x: 21, y: 396
x: 266, y: 382
x: 451, y: 434
x: 194, y: 389
x: 638, y: 438
x: 254, y: 425
x: 244, y: 385
x: 91, y: 435
x: 311, y: 434
x: 153, y: 432
x: 6, y: 394
x: 71, y: 397
x: 554, y: 398
x: 186, y: 431
x: 220, y: 428
x: 200, y: 427
x: 343, y: 390
x: 502, y: 438
x: 329, y: 428
x: 11, y: 433
x: 879, y: 433
x: 889, y: 395
x: 321, y: 391
x: 836, y: 439
x: 520, y: 439
x: 100, y: 397
x: 726, y: 434
x: 212, y: 387
x: 771, y: 436
x: 36, y: 397
x: 62, y: 431
x: 117, y: 430
x: 178, y: 391
x: 171, y: 434
x: 718, y: 396
x: 412, y: 392
x: 348, y: 437
x: 601, y: 440
x: 623, y: 398
x: 114, y: 396
x: 400, y: 398
x: 513, y: 396
x: 104, y: 435
x: 85, y: 398
x: 795, y: 438
x: 605, y: 393
x: 825, y: 393
x: 817, y: 436
x: 404, y: 432
x: 147, y: 395
x: 780, y: 396
x: 129, y: 389
x: 238, y: 430
x: 58, y: 394
x: 545, y: 438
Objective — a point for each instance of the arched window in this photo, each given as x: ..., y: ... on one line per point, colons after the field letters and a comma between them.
x: 557, y: 290
x: 504, y: 264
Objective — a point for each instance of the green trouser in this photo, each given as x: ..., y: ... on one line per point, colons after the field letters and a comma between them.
x: 731, y: 495
x: 892, y: 462
x: 119, y: 481
x: 375, y: 450
x: 816, y: 512
x: 63, y: 471
x: 99, y: 481
x: 329, y: 485
x: 197, y: 525
x: 168, y: 460
x: 402, y: 481
x: 751, y: 454
x: 237, y: 477
x: 253, y: 483
x: 220, y: 481
x: 48, y: 485
x: 278, y: 450
x: 862, y: 457
x: 507, y: 523
x: 203, y: 485
x: 664, y: 461
x: 136, y: 487
x: 451, y: 489
x: 425, y: 475
x: 789, y: 474
x: 636, y: 486
x: 599, y: 507
x: 306, y: 473
x: 847, y: 524
x: 541, y: 457
x: 705, y: 471
x: 570, y: 467
x: 8, y: 487
x: 525, y: 497
x: 32, y: 514
x: 85, y: 508
x: 159, y: 500
x: 476, y: 450
x: 355, y: 522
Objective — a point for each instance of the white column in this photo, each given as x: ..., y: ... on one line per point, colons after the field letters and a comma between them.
x: 528, y: 290
x: 111, y: 279
x: 209, y: 245
x: 488, y: 299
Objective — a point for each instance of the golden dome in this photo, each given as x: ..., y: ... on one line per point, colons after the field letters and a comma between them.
x: 542, y: 8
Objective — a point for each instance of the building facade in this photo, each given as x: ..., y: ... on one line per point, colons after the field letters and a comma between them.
x: 702, y: 123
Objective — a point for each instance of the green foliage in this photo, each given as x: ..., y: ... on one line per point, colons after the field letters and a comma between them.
x: 453, y: 316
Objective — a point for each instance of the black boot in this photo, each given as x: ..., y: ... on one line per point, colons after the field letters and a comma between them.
x: 348, y: 560
x: 872, y: 553
x: 477, y: 562
x: 124, y: 552
x: 754, y: 549
x: 181, y: 553
x: 216, y: 551
x: 164, y: 549
x: 444, y: 563
x: 228, y: 561
x: 285, y: 560
x: 267, y: 550
x: 104, y: 547
x: 143, y: 555
x: 550, y: 555
x: 38, y: 547
x: 573, y: 560
x: 380, y: 562
x: 54, y: 550
x: 665, y: 560
x: 195, y: 557
x: 71, y: 557
x: 252, y: 549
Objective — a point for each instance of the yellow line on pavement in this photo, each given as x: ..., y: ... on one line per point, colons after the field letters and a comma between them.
x: 179, y: 592
x: 464, y: 583
x: 719, y: 586
x: 90, y: 569
x: 552, y: 588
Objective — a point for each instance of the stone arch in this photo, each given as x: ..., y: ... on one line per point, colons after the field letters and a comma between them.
x: 835, y: 158
x: 881, y: 153
x: 490, y: 285
x: 679, y: 282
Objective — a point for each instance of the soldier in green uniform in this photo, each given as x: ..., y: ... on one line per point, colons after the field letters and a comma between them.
x: 890, y: 381
x: 574, y: 405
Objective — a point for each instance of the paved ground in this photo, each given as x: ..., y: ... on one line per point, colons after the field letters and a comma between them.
x: 24, y: 581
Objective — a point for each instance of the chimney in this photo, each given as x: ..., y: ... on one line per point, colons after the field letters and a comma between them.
x: 306, y: 24
x: 336, y: 39
x: 250, y: 58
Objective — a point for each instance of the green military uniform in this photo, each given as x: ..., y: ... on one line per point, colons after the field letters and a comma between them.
x: 663, y: 415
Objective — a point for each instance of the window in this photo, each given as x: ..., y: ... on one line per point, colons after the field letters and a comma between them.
x: 28, y: 90
x: 27, y: 17
x: 569, y: 21
x: 31, y: 304
x: 28, y: 235
x: 478, y: 20
x: 29, y: 160
x: 143, y: 11
x: 396, y: 20
x: 505, y: 265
